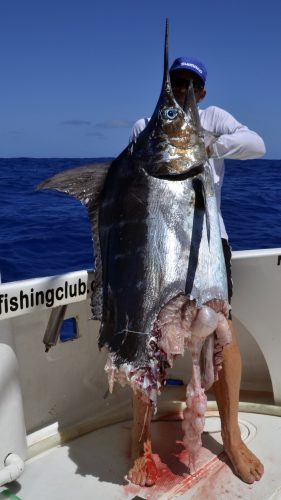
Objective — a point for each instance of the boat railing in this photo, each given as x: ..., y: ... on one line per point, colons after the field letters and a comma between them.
x: 36, y: 294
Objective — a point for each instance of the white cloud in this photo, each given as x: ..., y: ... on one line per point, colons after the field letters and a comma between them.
x: 115, y: 124
x: 76, y: 123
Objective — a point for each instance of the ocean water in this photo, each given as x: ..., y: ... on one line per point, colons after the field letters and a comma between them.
x: 45, y: 233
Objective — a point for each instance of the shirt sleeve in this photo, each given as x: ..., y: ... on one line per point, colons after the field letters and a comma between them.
x: 235, y: 140
x: 137, y: 128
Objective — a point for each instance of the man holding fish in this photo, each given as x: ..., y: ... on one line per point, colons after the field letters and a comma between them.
x: 163, y: 277
x: 224, y: 137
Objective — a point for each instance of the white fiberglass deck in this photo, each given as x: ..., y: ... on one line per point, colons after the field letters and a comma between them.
x: 94, y: 465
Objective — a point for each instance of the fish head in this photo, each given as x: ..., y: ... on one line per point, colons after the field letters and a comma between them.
x: 172, y: 144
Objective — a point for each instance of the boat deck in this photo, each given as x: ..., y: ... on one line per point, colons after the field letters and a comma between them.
x: 94, y: 465
x: 67, y: 388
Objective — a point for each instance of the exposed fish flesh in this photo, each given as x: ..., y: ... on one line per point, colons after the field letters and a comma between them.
x: 160, y: 273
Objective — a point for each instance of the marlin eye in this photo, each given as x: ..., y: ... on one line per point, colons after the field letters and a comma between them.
x: 170, y: 113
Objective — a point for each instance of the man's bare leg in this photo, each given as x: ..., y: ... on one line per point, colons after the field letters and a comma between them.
x: 144, y: 470
x: 245, y: 463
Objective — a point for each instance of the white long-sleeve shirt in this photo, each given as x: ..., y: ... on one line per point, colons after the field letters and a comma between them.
x: 235, y: 141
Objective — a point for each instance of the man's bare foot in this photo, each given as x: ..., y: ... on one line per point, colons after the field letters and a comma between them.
x: 246, y: 465
x: 144, y: 471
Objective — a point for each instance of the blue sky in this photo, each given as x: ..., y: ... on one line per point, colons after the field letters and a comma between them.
x: 76, y: 74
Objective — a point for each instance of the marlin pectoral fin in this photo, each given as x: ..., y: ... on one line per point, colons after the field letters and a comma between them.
x: 208, y: 223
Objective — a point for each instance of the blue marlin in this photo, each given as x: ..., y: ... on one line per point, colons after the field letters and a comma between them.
x: 157, y: 243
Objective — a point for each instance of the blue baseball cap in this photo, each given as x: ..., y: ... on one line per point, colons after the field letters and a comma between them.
x: 191, y: 64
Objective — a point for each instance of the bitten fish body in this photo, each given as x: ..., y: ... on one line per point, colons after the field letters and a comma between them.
x: 160, y: 273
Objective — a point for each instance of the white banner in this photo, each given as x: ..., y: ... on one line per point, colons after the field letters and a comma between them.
x: 22, y: 297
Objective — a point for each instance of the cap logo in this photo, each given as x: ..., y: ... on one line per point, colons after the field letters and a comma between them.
x: 191, y: 65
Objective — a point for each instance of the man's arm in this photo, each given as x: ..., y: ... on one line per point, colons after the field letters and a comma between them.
x: 235, y: 140
x: 138, y: 128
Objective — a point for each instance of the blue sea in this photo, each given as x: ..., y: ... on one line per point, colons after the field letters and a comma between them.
x: 45, y: 233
